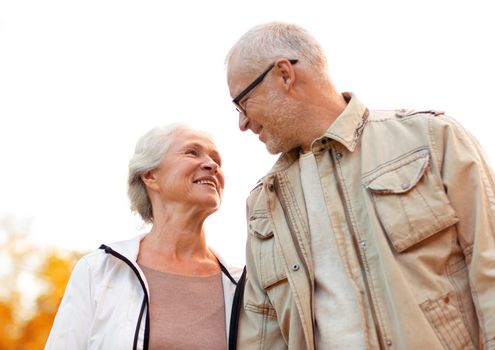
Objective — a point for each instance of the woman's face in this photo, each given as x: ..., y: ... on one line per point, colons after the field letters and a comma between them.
x: 190, y: 172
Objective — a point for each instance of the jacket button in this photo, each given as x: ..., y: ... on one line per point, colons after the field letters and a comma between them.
x: 405, y: 185
x: 339, y: 156
x: 389, y: 342
x: 295, y: 267
x: 271, y: 188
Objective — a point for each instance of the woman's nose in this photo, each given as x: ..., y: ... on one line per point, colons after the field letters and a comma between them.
x: 209, y: 165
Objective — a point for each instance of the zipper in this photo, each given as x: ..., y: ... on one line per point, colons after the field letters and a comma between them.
x: 358, y: 248
x: 144, y: 305
x: 277, y: 188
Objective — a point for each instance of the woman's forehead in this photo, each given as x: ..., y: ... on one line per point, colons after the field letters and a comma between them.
x: 191, y: 137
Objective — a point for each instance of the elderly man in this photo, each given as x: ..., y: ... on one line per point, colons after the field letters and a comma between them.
x: 374, y: 229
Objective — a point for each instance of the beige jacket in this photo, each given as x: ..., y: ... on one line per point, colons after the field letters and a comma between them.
x: 411, y: 199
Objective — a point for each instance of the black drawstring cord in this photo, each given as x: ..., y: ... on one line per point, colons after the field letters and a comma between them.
x: 109, y: 250
x: 236, y: 304
x: 226, y: 272
x: 236, y: 309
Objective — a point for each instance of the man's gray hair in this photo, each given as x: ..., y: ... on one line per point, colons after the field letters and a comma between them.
x: 149, y: 151
x: 268, y: 42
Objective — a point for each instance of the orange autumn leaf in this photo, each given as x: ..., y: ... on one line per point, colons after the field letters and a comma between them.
x: 25, y: 323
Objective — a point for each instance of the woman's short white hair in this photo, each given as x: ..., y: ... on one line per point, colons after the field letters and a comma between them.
x: 265, y: 43
x: 149, y: 151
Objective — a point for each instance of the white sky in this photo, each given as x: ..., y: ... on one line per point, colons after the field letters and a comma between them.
x: 80, y: 81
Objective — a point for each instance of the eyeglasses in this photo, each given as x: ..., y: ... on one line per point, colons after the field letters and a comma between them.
x: 237, y: 100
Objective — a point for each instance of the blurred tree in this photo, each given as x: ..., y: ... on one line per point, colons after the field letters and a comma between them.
x: 33, y: 284
x: 7, y: 339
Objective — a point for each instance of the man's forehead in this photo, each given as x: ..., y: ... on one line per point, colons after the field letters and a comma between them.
x: 234, y: 68
x: 237, y: 77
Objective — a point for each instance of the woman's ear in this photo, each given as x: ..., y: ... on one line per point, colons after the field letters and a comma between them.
x: 149, y: 179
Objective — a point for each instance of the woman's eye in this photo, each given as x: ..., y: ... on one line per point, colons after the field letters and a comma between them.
x: 192, y: 152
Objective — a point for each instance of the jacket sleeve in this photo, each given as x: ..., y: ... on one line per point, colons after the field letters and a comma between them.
x: 72, y: 323
x: 470, y: 186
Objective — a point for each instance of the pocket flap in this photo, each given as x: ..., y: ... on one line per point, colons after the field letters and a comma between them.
x: 260, y: 227
x: 409, y: 200
x: 401, y: 176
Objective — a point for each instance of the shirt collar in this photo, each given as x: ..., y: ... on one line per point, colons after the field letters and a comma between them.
x: 348, y: 126
x: 346, y: 130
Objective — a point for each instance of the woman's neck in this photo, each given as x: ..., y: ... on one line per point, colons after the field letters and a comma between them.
x: 176, y: 243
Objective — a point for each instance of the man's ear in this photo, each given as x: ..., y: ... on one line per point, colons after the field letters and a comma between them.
x: 286, y: 72
x: 150, y: 180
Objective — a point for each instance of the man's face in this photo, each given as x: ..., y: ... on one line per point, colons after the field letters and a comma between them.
x: 267, y: 110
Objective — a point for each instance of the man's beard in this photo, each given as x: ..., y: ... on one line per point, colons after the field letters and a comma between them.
x: 281, y: 124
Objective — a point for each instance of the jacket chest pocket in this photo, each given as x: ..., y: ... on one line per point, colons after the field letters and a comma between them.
x: 410, y: 204
x: 266, y: 254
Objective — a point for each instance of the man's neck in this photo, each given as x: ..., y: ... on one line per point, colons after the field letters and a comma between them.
x: 323, y: 113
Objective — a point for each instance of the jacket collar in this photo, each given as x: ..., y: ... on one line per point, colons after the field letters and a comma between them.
x: 348, y: 126
x: 130, y: 249
x: 346, y: 130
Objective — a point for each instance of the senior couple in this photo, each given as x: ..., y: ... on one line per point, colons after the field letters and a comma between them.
x: 373, y: 230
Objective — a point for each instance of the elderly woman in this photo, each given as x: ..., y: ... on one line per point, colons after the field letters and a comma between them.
x: 166, y: 289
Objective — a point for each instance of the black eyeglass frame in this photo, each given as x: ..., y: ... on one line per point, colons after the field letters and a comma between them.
x: 237, y: 100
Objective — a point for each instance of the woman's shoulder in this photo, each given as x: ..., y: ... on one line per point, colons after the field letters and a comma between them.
x: 235, y: 271
x: 119, y: 250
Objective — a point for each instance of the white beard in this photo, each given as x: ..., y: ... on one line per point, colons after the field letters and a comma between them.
x: 282, y: 124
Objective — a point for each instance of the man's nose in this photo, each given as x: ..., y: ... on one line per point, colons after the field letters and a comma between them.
x: 243, y: 122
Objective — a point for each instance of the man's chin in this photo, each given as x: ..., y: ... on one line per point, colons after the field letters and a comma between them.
x: 273, y: 152
x: 273, y: 149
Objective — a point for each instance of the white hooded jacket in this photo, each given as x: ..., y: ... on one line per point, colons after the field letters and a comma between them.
x: 106, y: 298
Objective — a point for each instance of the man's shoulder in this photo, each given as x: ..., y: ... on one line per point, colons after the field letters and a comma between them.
x: 255, y: 191
x: 258, y: 186
x: 402, y: 114
x: 257, y: 200
x: 402, y: 122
